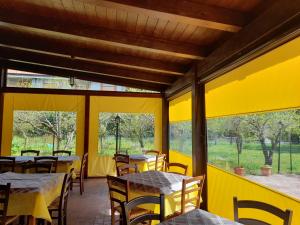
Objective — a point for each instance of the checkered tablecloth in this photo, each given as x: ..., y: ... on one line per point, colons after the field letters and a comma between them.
x: 155, y: 182
x: 28, y: 183
x: 198, y: 217
x: 140, y: 157
x: 61, y: 159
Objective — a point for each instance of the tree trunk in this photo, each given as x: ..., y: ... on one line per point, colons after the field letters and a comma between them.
x: 141, y: 141
x: 268, y: 154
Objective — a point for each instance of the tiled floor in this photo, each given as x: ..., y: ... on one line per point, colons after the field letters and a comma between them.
x: 93, y: 207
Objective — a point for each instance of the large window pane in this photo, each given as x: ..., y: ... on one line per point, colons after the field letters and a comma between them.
x: 181, y: 137
x: 44, y: 130
x: 136, y: 133
x: 259, y: 143
x: 22, y: 79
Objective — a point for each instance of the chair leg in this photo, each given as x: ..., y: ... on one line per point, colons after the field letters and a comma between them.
x: 112, y: 216
x: 65, y: 220
x: 80, y: 186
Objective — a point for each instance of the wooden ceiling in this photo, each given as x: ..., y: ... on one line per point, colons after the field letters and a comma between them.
x: 148, y: 44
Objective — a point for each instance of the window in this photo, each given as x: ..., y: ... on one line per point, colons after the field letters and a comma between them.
x: 21, y: 79
x: 136, y: 133
x: 259, y: 143
x: 43, y: 130
x: 181, y: 137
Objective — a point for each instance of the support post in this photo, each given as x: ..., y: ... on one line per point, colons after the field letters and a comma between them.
x: 199, y: 135
x: 165, y: 126
x: 86, y: 131
x: 2, y: 86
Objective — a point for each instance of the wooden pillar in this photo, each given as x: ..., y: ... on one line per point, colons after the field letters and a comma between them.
x: 2, y: 86
x: 86, y: 130
x: 165, y: 126
x: 199, y: 135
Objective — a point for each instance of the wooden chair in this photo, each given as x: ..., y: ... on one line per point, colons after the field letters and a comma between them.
x: 30, y: 152
x: 80, y: 174
x: 176, y: 165
x: 190, y: 195
x: 47, y: 160
x: 59, y: 205
x: 286, y: 215
x: 121, y: 159
x: 158, y: 164
x: 4, y: 197
x: 7, y: 164
x: 127, y: 208
x: 37, y: 167
x: 61, y: 153
x: 119, y: 187
x: 151, y: 152
x: 126, y: 169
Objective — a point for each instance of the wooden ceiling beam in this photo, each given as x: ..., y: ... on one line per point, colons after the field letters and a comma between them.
x: 84, y: 66
x: 188, y: 12
x: 81, y: 75
x: 102, y: 35
x: 259, y: 37
x: 82, y: 50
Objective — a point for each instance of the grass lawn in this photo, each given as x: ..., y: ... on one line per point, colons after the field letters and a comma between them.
x: 42, y: 143
x: 224, y: 155
x: 132, y: 146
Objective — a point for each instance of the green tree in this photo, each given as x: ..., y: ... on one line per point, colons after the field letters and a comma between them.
x: 269, y: 126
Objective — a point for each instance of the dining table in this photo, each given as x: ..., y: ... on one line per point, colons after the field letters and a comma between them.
x: 143, y: 162
x: 156, y: 183
x: 31, y: 194
x: 198, y: 217
x: 64, y: 163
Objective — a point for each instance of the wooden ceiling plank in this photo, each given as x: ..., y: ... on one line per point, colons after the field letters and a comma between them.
x: 80, y: 50
x: 82, y: 75
x: 188, y: 12
x: 81, y: 65
x: 104, y: 35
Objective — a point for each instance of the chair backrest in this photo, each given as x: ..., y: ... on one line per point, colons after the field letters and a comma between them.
x: 83, y: 164
x: 286, y: 215
x: 128, y: 206
x: 47, y: 160
x: 7, y: 164
x: 64, y: 195
x: 191, y: 192
x: 37, y: 167
x: 160, y: 162
x: 61, y: 153
x: 4, y: 197
x: 126, y: 169
x: 117, y: 187
x: 121, y: 159
x: 151, y: 152
x: 30, y: 152
x: 181, y: 167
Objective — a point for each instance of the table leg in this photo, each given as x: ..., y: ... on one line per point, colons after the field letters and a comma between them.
x: 31, y: 220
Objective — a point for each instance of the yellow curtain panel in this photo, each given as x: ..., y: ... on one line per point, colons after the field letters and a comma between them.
x: 270, y: 82
x: 180, y: 109
x: 41, y: 102
x: 103, y: 165
x: 222, y: 186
